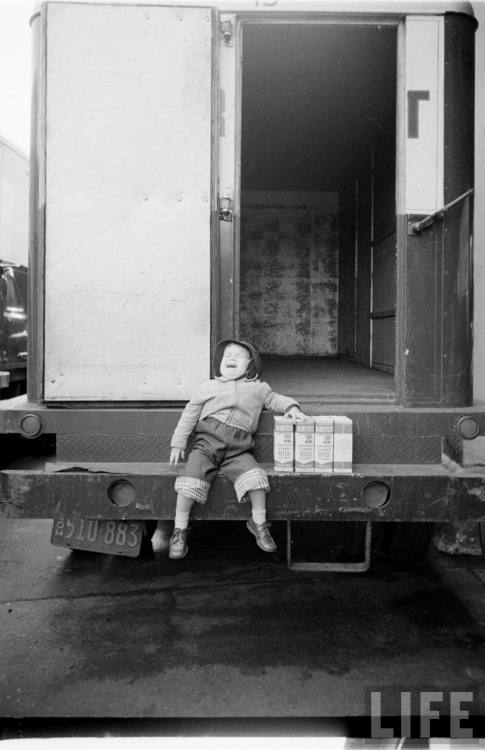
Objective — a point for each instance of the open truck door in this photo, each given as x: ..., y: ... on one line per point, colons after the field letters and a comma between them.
x: 128, y: 202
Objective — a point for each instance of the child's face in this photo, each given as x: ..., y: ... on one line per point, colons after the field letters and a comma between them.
x: 234, y: 361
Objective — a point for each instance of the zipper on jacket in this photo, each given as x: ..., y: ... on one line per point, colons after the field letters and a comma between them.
x: 233, y: 408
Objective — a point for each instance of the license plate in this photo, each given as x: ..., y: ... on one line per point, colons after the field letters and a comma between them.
x: 96, y: 535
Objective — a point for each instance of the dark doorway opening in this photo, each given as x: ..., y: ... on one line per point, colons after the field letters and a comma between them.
x: 317, y: 286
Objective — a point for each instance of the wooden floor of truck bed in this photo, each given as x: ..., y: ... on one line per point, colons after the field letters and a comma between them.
x: 332, y: 380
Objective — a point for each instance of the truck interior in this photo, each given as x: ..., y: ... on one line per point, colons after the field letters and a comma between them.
x: 317, y: 252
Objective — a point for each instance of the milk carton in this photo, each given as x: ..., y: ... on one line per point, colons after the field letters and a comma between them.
x: 342, y: 445
x: 323, y: 444
x: 284, y: 448
x: 305, y: 445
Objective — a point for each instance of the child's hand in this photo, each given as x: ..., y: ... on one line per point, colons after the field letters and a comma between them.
x: 295, y: 413
x: 176, y: 455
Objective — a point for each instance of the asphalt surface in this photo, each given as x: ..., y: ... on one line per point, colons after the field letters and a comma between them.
x: 226, y: 632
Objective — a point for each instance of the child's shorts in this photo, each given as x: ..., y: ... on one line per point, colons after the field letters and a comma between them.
x: 219, y: 448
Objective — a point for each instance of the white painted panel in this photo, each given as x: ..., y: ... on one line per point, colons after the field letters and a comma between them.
x: 424, y: 114
x: 128, y: 191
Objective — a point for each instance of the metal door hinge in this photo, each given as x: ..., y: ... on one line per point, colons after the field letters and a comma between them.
x: 225, y: 206
x: 227, y: 32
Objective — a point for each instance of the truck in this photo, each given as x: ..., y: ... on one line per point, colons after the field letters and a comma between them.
x: 13, y: 329
x: 14, y: 226
x: 14, y: 204
x: 297, y: 174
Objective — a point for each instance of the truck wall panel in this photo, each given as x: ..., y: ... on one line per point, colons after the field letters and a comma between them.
x: 289, y: 272
x: 347, y: 296
x: 363, y: 270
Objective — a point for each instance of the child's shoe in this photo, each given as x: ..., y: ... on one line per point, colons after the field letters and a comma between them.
x: 178, y: 544
x: 264, y: 540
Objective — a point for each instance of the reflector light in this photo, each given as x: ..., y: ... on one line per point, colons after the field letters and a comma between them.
x: 121, y: 493
x: 376, y: 494
x: 31, y: 425
x: 468, y: 427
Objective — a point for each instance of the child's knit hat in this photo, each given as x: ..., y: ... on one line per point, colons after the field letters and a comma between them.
x: 255, y: 366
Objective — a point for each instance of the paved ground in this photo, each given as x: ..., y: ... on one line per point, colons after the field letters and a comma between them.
x: 227, y: 632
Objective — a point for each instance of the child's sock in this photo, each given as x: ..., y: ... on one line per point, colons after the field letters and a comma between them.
x: 181, y: 519
x: 259, y: 516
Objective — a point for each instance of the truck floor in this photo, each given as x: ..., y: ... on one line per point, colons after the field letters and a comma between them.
x: 327, y: 379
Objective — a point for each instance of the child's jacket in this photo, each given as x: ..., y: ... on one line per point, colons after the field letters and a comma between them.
x: 237, y: 403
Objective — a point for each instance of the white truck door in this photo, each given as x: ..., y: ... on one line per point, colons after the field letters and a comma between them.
x: 129, y: 199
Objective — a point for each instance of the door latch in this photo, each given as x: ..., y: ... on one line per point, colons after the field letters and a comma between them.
x: 227, y: 32
x: 225, y: 206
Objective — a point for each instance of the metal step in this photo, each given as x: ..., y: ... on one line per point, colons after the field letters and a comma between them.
x: 331, y: 567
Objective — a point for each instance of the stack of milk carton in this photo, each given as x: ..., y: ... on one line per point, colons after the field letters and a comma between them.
x: 315, y: 444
